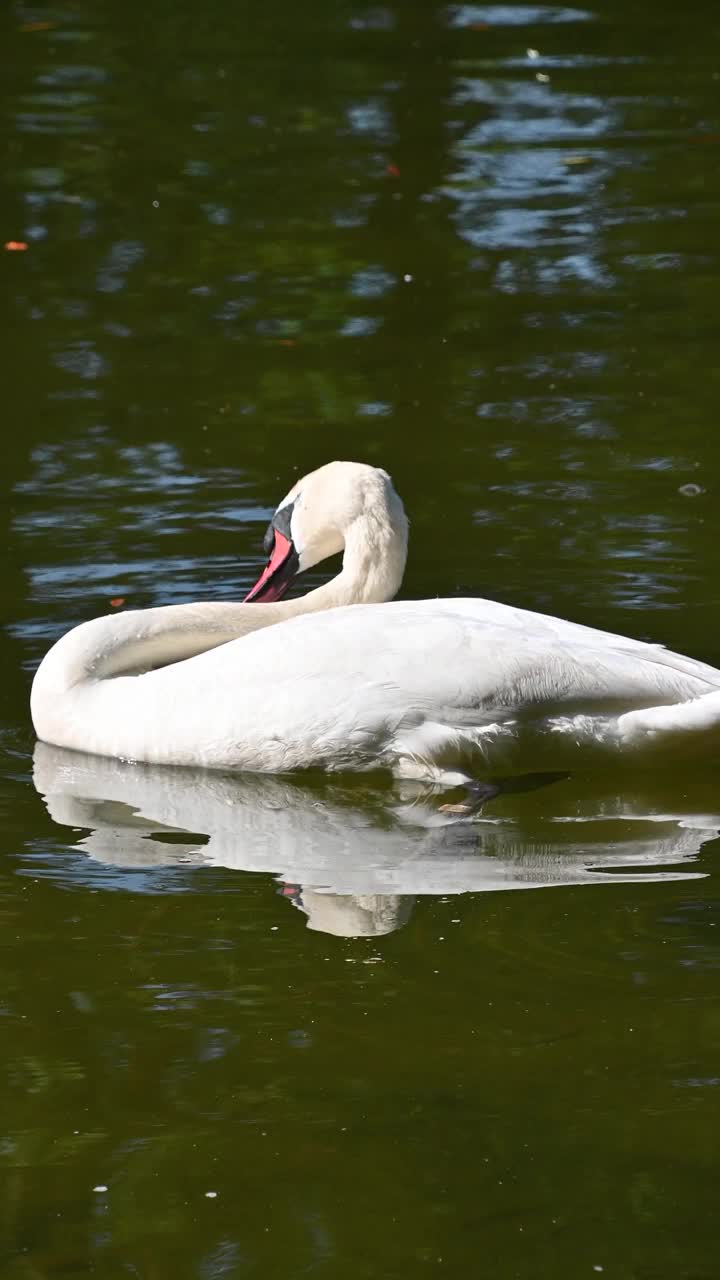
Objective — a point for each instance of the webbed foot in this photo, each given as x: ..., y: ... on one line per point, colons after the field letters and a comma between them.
x: 477, y: 793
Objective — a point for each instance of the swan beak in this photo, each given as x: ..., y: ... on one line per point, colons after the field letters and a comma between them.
x: 278, y: 572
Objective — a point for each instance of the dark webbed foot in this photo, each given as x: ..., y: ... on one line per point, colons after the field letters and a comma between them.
x: 477, y: 794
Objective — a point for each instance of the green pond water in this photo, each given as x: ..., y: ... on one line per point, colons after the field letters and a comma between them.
x: 290, y: 1028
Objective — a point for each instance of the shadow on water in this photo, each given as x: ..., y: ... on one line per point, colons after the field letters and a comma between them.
x: 355, y: 857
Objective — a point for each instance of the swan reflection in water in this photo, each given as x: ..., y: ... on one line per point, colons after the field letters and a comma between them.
x: 354, y: 858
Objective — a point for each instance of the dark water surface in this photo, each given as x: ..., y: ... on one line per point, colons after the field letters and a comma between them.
x: 275, y: 1028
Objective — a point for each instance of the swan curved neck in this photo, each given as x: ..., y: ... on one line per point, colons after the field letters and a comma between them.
x: 373, y: 563
x: 139, y: 641
x: 374, y: 557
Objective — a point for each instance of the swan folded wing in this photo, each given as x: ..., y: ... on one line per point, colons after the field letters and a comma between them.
x: 571, y: 637
x: 349, y: 684
x: 455, y: 657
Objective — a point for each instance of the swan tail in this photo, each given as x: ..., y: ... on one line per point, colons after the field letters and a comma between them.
x: 696, y: 717
x: 451, y: 755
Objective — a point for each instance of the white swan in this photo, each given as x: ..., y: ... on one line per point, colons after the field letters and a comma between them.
x: 439, y: 690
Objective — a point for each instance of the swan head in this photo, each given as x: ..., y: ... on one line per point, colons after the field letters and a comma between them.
x: 343, y: 506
